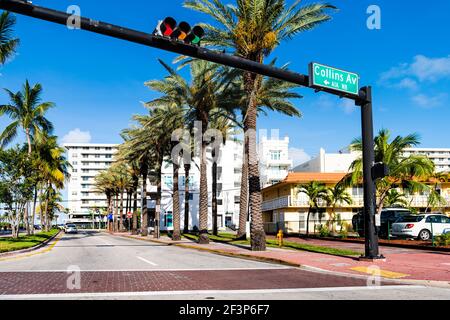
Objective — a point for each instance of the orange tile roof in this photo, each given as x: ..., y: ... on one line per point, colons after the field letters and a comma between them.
x: 305, y: 177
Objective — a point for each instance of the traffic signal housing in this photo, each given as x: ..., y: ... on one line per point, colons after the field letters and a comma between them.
x: 179, y: 32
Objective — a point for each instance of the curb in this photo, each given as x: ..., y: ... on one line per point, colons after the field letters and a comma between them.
x: 37, y: 247
x: 429, y: 283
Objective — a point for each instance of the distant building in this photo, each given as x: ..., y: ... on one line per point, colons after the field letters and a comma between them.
x: 440, y: 156
x: 328, y: 162
x: 87, y: 161
x: 274, y: 160
x: 340, y: 162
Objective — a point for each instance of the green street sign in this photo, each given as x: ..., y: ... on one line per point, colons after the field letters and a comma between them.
x: 325, y: 77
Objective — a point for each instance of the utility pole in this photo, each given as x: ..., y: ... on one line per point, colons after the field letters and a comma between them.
x: 371, y: 236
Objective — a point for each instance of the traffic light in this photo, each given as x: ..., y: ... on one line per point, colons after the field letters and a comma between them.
x: 181, y: 32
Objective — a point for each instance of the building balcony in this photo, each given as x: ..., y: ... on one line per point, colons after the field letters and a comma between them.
x: 358, y: 202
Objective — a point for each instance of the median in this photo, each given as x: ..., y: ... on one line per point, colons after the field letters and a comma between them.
x: 8, y: 244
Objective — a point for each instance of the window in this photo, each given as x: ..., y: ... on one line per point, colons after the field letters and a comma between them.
x: 191, y: 197
x: 97, y: 156
x: 74, y: 170
x: 219, y: 202
x: 75, y: 155
x: 85, y: 178
x: 108, y: 148
x: 97, y: 148
x: 237, y: 199
x: 108, y: 156
x: 74, y: 193
x: 75, y: 163
x: 85, y: 156
x: 275, y: 155
x: 168, y: 220
x: 357, y: 191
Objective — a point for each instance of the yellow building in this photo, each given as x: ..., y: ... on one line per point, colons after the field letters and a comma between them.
x: 285, y: 207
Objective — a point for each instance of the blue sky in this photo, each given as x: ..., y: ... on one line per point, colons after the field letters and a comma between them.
x: 97, y: 82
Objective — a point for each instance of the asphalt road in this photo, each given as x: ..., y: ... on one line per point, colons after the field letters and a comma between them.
x: 101, y: 266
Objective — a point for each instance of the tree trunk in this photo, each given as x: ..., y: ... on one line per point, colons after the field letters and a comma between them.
x: 243, y: 204
x: 121, y: 227
x: 26, y: 219
x: 135, y: 205
x: 258, y: 236
x: 144, y: 209
x: 203, y: 214
x: 27, y: 133
x: 187, y: 169
x: 176, y: 204
x: 307, y: 222
x: 33, y: 214
x: 157, y: 234
x: 46, y: 217
x: 116, y: 213
x: 214, y: 195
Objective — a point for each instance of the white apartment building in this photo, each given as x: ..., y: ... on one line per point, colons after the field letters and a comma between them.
x: 274, y: 159
x: 340, y: 162
x: 229, y: 168
x: 87, y: 161
x: 440, y: 156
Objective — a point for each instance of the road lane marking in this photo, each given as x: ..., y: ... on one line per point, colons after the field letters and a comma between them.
x: 146, y: 261
x: 203, y: 292
x: 382, y: 273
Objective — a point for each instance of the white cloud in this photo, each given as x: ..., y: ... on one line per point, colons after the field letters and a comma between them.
x: 425, y: 101
x: 348, y: 106
x: 77, y: 136
x: 421, y: 69
x: 299, y: 156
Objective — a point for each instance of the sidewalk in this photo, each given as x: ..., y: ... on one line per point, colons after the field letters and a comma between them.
x: 401, y: 264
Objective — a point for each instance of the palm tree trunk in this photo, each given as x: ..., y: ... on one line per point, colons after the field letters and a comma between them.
x: 33, y: 214
x: 258, y: 236
x: 144, y: 209
x: 27, y: 133
x: 307, y: 222
x: 121, y: 227
x: 157, y: 234
x: 176, y: 204
x: 187, y: 169
x: 243, y: 204
x: 203, y: 214
x: 135, y: 205
x: 116, y: 212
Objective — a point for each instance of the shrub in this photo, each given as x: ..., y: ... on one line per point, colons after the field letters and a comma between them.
x: 323, y: 231
x: 443, y: 240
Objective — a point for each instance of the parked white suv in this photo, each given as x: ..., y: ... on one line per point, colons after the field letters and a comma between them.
x: 421, y: 226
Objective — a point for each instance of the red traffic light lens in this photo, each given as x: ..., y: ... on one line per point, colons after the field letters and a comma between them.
x: 167, y: 26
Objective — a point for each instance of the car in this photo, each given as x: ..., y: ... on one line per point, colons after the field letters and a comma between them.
x: 70, y: 228
x: 422, y: 227
x: 388, y: 217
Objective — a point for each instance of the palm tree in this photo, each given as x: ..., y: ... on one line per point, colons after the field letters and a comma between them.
x: 105, y: 184
x: 122, y: 181
x: 254, y: 28
x: 27, y: 112
x: 205, y: 93
x: 395, y: 198
x: 8, y: 43
x: 407, y: 172
x: 273, y: 95
x: 337, y: 195
x: 315, y: 191
x: 435, y: 199
x: 53, y: 170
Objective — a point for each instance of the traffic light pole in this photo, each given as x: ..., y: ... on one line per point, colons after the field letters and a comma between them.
x: 364, y: 99
x: 371, y: 236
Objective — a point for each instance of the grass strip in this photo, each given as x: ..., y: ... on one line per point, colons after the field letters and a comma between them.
x: 8, y: 244
x: 228, y: 238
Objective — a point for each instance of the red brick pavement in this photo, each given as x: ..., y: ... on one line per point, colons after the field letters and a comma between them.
x: 19, y: 283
